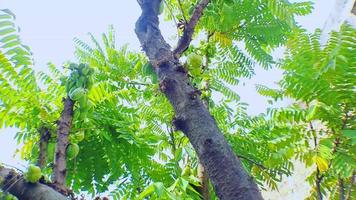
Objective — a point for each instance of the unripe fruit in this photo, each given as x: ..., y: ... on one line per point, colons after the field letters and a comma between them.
x: 72, y: 151
x: 77, y: 94
x: 10, y: 197
x: 73, y: 66
x: 33, y: 174
x: 195, y: 60
x: 86, y: 70
x: 79, y: 136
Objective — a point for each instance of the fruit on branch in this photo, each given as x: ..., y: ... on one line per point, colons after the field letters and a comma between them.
x: 9, y: 197
x: 77, y: 94
x: 33, y: 174
x: 72, y: 150
x: 194, y: 62
x: 79, y: 136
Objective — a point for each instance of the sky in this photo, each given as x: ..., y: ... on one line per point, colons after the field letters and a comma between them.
x: 49, y: 27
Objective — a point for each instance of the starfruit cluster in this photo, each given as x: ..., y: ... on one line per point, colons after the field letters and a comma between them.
x: 77, y: 86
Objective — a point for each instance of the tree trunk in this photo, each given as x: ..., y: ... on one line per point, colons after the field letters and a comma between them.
x: 225, y: 170
x: 42, y: 157
x: 17, y: 186
x: 64, y: 126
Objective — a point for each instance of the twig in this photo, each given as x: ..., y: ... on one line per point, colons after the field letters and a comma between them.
x: 11, y: 167
x: 185, y: 40
x: 10, y: 186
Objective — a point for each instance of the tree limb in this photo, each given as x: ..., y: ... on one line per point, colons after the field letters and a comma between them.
x: 185, y: 40
x: 60, y: 163
x: 224, y: 168
x: 45, y: 135
x: 17, y: 186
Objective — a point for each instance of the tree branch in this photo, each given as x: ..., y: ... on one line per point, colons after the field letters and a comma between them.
x: 185, y: 40
x: 17, y: 186
x: 224, y: 168
x: 60, y: 163
x: 45, y: 135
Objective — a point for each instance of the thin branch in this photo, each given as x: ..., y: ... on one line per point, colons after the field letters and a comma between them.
x: 7, y: 189
x: 170, y: 12
x: 258, y: 164
x: 137, y: 83
x: 185, y: 40
x: 253, y: 162
x: 11, y: 167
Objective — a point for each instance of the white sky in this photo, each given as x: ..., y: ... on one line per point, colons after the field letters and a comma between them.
x: 49, y: 27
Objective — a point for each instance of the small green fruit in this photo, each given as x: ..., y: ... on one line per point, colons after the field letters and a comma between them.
x: 63, y: 80
x: 10, y: 197
x: 86, y: 70
x: 82, y: 66
x: 73, y: 66
x: 72, y: 151
x: 79, y: 136
x: 80, y: 82
x: 89, y: 82
x: 77, y: 94
x: 33, y: 174
x: 195, y: 61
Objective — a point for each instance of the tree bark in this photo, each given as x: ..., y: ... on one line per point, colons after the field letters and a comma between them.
x: 225, y: 170
x: 64, y: 126
x: 17, y: 186
x: 44, y: 138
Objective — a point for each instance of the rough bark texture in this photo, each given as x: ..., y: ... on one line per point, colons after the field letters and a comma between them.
x: 225, y: 170
x: 15, y: 184
x: 42, y: 157
x: 64, y: 126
